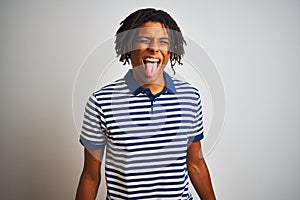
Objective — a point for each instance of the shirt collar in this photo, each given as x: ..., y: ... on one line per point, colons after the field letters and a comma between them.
x: 135, y: 88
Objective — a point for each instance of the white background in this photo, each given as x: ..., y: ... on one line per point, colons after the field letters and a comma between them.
x: 254, y: 45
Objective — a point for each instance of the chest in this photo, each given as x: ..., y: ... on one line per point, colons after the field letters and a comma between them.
x: 133, y: 120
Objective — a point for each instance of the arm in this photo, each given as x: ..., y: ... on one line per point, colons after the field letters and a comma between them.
x: 91, y: 175
x: 199, y: 173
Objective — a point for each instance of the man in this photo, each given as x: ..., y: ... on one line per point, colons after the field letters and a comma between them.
x: 150, y: 123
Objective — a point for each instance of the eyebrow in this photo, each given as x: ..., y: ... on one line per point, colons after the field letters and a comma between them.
x: 162, y: 38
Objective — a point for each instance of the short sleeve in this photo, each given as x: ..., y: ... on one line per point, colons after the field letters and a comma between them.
x: 196, y: 133
x: 93, y: 127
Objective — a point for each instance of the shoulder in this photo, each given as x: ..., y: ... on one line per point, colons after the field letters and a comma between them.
x: 118, y: 86
x: 183, y: 87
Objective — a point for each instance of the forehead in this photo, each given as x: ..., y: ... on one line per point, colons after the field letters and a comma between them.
x: 154, y: 29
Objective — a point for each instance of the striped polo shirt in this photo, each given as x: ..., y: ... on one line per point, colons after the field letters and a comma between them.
x: 146, y: 137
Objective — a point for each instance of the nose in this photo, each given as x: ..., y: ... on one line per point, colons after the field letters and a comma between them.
x: 153, y: 47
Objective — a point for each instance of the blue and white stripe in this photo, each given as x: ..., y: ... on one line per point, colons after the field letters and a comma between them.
x: 146, y: 137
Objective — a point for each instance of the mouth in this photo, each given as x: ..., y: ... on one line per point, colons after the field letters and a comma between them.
x: 151, y: 61
x: 151, y: 65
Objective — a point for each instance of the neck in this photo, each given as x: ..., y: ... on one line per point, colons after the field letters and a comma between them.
x: 155, y: 86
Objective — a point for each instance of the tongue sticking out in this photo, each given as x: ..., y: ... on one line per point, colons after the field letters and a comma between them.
x: 150, y: 68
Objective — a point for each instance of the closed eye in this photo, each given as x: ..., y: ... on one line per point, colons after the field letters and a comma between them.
x: 143, y: 40
x: 164, y: 42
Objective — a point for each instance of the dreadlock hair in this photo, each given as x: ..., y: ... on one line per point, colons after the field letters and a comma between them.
x: 127, y: 31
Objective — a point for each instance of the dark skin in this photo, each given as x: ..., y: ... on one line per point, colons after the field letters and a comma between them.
x: 91, y: 175
x: 198, y: 172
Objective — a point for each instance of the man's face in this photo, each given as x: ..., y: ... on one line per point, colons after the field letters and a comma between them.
x: 151, y: 53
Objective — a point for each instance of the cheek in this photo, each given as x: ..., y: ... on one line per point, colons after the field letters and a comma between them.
x: 166, y: 57
x: 134, y: 57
